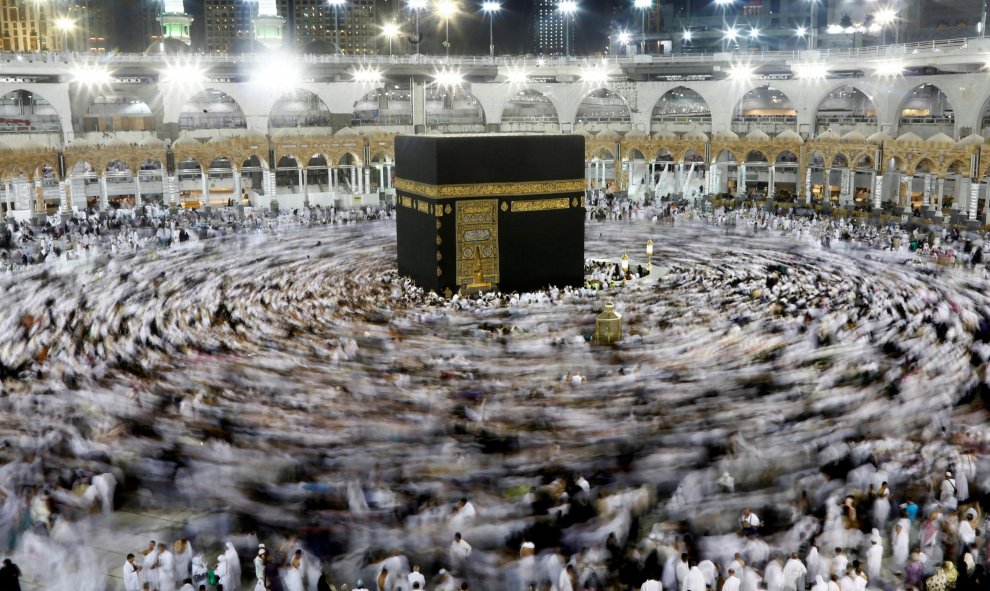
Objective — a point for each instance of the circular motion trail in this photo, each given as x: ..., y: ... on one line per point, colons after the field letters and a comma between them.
x: 299, y: 387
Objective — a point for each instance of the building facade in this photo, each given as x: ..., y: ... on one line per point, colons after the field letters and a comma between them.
x: 552, y: 35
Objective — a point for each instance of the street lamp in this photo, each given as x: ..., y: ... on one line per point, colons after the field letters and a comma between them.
x: 65, y: 25
x: 723, y: 6
x: 884, y: 17
x: 336, y: 27
x: 624, y: 38
x: 416, y: 6
x: 567, y: 8
x: 643, y: 6
x: 446, y: 9
x: 649, y: 255
x: 490, y: 8
x: 390, y: 31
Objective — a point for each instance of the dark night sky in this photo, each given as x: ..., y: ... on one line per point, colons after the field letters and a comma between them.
x: 468, y: 32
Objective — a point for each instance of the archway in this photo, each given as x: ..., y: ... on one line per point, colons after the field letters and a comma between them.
x: 120, y: 186
x: 211, y: 109
x: 863, y: 183
x: 84, y: 185
x: 388, y: 105
x: 221, y: 189
x: 926, y: 111
x: 604, y: 109
x: 253, y: 176
x: 600, y: 169
x: 299, y: 108
x: 637, y: 173
x: 347, y: 171
x: 784, y: 178
x: 116, y: 111
x: 765, y: 108
x: 682, y: 109
x: 149, y: 180
x: 724, y: 173
x: 754, y: 176
x: 528, y: 108
x: 16, y: 189
x: 453, y: 109
x: 23, y: 111
x: 287, y: 175
x: 845, y: 109
x: 382, y: 177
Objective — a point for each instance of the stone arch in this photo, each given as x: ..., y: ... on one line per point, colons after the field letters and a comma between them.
x: 725, y: 155
x: 839, y: 160
x: 529, y: 105
x: 635, y: 154
x: 693, y: 155
x: 894, y: 163
x: 383, y: 106
x: 664, y: 155
x: 27, y: 111
x: 682, y: 106
x: 381, y: 157
x: 924, y: 166
x: 603, y: 105
x: 211, y: 109
x: 299, y: 108
x: 470, y: 112
x: 865, y: 161
x: 757, y: 157
x: 926, y: 104
x: 955, y: 167
x: 287, y: 168
x: 834, y: 109
x: 602, y: 153
x: 113, y: 110
x: 765, y: 108
x: 785, y: 157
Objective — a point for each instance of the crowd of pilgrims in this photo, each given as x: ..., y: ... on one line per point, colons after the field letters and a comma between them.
x: 847, y: 473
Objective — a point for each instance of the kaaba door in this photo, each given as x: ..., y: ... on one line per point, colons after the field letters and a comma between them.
x: 477, y: 232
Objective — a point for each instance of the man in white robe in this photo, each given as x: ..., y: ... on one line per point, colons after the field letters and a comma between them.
x: 416, y: 577
x: 259, y: 569
x: 131, y: 580
x: 967, y: 535
x: 795, y: 572
x: 839, y: 563
x: 682, y: 570
x: 874, y: 558
x: 732, y: 582
x: 773, y: 574
x: 166, y: 569
x: 459, y: 550
x: 900, y: 545
x: 947, y: 494
x: 694, y: 581
x: 651, y: 585
x: 149, y: 570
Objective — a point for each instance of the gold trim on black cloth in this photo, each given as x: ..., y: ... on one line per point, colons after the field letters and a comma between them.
x: 490, y: 189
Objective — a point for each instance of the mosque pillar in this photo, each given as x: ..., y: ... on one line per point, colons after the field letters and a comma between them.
x: 905, y: 198
x: 104, y: 198
x: 938, y: 194
x: 876, y: 185
x: 305, y: 186
x: 741, y: 180
x: 974, y: 199
x: 301, y: 175
x: 6, y: 194
x: 679, y: 177
x: 807, y: 186
x: 381, y: 178
x: 137, y: 191
x: 771, y: 182
x: 63, y: 197
x: 927, y: 190
x: 237, y: 187
x: 205, y: 188
x: 367, y: 180
x: 169, y: 190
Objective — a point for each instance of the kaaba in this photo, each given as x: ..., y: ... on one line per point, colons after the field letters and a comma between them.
x: 479, y: 212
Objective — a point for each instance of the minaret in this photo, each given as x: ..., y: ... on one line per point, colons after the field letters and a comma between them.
x: 175, y: 22
x: 268, y: 25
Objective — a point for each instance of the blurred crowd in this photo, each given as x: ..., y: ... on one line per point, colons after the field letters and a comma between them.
x: 796, y: 403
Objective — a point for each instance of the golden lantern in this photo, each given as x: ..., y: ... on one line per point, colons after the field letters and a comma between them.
x: 649, y: 255
x: 608, y: 324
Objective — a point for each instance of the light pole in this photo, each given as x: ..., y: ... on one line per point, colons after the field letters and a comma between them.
x: 643, y: 6
x: 723, y: 6
x: 567, y: 8
x: 813, y: 33
x: 416, y: 6
x: 624, y: 39
x: 884, y: 18
x: 490, y: 7
x: 390, y: 31
x: 445, y: 10
x: 336, y: 27
x: 65, y: 25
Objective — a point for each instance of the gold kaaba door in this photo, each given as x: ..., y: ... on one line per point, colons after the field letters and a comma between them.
x: 477, y: 235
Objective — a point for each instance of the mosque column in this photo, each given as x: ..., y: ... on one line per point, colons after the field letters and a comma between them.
x: 876, y: 188
x: 305, y: 186
x: 927, y: 190
x: 6, y: 194
x: 905, y: 199
x: 353, y: 175
x: 771, y: 182
x: 938, y: 194
x: 807, y: 186
x: 237, y: 187
x: 104, y: 198
x: 741, y: 179
x: 301, y: 176
x: 826, y: 195
x: 974, y: 199
x: 137, y: 191
x: 678, y: 177
x: 204, y: 189
x: 381, y: 178
x: 63, y: 197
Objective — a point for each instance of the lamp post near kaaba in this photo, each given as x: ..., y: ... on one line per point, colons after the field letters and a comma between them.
x: 480, y: 212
